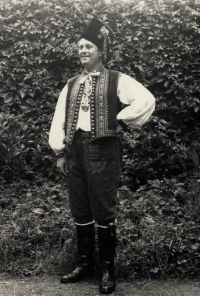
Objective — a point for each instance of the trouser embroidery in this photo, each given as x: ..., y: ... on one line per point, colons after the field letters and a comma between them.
x: 92, y: 157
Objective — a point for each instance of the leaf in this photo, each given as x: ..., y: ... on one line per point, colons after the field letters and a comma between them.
x: 4, y: 94
x: 56, y: 210
x: 16, y: 152
x: 23, y: 93
x: 10, y: 82
x: 183, y: 102
x: 38, y: 211
x: 8, y: 98
x: 163, y: 121
x: 29, y: 194
x: 166, y: 83
x: 31, y: 102
x: 149, y: 220
x: 181, y: 262
x: 154, y: 270
x: 39, y: 148
x: 195, y: 246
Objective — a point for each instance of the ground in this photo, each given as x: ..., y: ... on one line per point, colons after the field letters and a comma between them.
x: 49, y: 286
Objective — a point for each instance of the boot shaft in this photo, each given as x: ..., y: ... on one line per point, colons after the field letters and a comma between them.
x: 106, y: 242
x: 86, y: 242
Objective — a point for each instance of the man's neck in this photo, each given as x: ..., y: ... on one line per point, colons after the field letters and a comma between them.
x: 96, y: 68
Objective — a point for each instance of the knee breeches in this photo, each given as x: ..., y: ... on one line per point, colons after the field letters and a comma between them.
x: 94, y: 173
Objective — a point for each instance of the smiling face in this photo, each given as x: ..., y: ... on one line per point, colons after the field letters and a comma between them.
x: 90, y: 55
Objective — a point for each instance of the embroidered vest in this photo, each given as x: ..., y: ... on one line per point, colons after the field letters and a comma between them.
x: 104, y: 105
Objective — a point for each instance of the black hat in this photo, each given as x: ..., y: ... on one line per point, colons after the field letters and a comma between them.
x: 99, y: 34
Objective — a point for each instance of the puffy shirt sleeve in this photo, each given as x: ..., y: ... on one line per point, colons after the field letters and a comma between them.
x: 57, y: 130
x: 141, y: 102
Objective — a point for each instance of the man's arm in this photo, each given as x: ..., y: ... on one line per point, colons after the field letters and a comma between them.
x: 57, y: 132
x: 141, y: 102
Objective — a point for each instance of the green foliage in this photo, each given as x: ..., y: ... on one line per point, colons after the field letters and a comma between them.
x: 23, y: 148
x: 10, y: 130
x: 158, y: 229
x: 150, y: 155
x: 36, y: 228
x: 157, y: 44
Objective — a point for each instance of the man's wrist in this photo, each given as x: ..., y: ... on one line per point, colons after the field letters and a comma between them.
x: 122, y: 124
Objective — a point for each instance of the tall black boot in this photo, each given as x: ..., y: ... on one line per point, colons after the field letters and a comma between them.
x: 106, y: 241
x: 86, y: 246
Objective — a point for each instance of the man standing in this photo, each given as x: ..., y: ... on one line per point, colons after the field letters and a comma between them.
x: 84, y: 136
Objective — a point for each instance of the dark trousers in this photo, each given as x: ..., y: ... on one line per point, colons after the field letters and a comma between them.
x: 94, y: 173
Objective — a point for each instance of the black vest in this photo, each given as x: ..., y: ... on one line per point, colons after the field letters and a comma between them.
x: 104, y: 105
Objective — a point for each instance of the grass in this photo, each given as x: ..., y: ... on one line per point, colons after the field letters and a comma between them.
x: 158, y: 231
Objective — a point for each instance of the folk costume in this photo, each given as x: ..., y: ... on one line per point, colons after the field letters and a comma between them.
x: 84, y: 127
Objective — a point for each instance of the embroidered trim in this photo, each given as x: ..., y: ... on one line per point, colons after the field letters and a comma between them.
x: 102, y: 226
x: 92, y: 108
x: 96, y: 166
x: 106, y: 115
x: 89, y: 223
x: 101, y: 105
x: 92, y: 157
x: 74, y: 103
x: 106, y: 102
x: 110, y: 224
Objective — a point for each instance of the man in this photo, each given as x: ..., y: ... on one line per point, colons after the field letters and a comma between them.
x: 84, y: 136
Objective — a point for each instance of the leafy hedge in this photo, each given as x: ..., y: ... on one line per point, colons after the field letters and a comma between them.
x: 158, y: 204
x: 157, y: 44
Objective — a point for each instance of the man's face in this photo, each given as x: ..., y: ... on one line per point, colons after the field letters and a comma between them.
x: 89, y: 54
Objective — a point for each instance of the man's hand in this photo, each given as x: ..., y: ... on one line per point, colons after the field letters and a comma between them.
x: 62, y: 166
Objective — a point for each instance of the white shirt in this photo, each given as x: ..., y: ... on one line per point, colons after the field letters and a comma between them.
x: 129, y: 91
x: 84, y: 121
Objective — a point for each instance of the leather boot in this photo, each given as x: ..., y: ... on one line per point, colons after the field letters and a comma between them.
x: 106, y: 241
x: 86, y: 246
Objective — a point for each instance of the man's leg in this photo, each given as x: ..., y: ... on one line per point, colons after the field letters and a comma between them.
x: 104, y: 175
x: 80, y: 208
x: 85, y: 244
x: 106, y: 241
